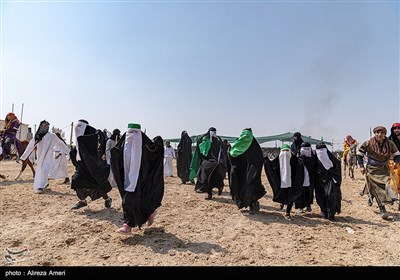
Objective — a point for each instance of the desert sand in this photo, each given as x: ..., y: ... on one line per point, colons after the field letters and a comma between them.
x: 189, y: 230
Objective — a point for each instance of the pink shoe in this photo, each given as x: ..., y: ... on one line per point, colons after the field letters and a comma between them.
x: 150, y: 220
x: 125, y: 229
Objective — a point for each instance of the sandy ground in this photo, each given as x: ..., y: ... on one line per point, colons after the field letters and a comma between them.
x: 189, y: 230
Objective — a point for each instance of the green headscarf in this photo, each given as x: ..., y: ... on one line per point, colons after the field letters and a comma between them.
x: 242, y: 143
x: 285, y: 147
x: 205, y: 145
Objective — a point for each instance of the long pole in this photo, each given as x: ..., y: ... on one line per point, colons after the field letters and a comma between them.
x: 22, y: 113
x: 70, y: 137
x: 12, y: 108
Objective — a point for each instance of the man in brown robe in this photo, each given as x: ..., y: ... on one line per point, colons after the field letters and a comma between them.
x: 378, y: 150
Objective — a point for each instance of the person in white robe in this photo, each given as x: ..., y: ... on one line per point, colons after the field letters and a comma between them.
x: 111, y: 142
x: 44, y: 141
x: 60, y: 168
x: 169, y: 154
x: 32, y: 156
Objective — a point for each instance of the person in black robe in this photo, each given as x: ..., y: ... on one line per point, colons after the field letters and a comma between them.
x: 296, y: 145
x: 137, y: 166
x: 281, y: 173
x: 246, y: 159
x: 184, y: 157
x: 91, y: 169
x: 306, y: 177
x: 211, y: 172
x: 328, y: 179
x: 226, y: 147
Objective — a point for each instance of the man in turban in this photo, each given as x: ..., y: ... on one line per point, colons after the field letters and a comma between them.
x: 378, y: 150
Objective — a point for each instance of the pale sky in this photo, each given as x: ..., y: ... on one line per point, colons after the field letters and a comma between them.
x: 324, y: 68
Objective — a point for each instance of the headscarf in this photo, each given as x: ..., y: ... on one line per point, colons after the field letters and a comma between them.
x: 320, y: 145
x: 205, y: 146
x: 10, y: 117
x: 380, y: 149
x: 322, y: 155
x: 213, y: 132
x: 41, y: 132
x: 349, y: 140
x: 305, y: 149
x: 79, y: 131
x: 242, y: 143
x: 297, y: 135
x: 297, y: 140
x: 116, y: 133
x: 395, y: 125
x: 380, y: 128
x: 83, y: 121
x: 393, y: 136
x: 285, y: 147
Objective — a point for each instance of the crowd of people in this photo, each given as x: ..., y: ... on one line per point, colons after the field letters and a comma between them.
x: 136, y: 165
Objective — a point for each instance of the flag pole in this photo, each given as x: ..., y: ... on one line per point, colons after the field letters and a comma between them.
x: 22, y: 113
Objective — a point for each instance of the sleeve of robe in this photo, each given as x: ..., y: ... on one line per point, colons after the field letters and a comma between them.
x: 272, y: 171
x: 64, y: 147
x: 117, y: 164
x: 29, y: 149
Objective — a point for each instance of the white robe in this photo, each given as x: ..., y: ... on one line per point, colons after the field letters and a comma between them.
x: 132, y: 158
x: 59, y: 169
x: 44, y: 157
x: 169, y: 154
x: 285, y: 169
x: 32, y: 156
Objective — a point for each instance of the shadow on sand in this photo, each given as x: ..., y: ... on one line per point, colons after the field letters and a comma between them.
x: 162, y: 242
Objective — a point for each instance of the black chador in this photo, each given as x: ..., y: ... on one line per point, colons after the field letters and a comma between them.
x: 327, y: 183
x: 281, y: 173
x: 211, y: 172
x: 184, y: 157
x: 306, y: 177
x: 137, y: 165
x: 246, y: 162
x: 91, y: 169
